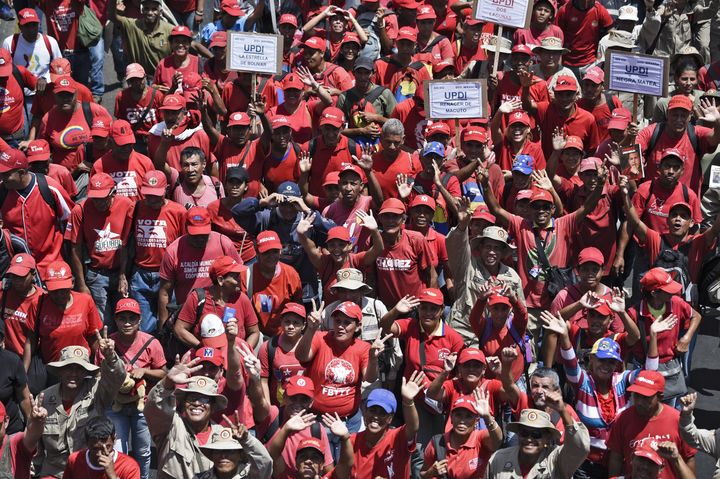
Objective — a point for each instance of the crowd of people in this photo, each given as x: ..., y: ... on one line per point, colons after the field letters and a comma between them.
x: 231, y: 275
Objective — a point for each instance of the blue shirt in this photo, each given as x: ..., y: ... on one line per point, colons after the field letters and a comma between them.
x: 211, y: 28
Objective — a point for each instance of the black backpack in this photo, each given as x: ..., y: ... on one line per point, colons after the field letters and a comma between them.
x: 692, y: 136
x: 709, y: 275
x: 675, y: 262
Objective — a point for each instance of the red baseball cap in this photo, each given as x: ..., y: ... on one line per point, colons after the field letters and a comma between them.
x: 618, y: 123
x: 315, y: 43
x: 541, y: 195
x: 411, y: 4
x: 198, y: 221
x: 21, y: 264
x: 648, y: 453
x: 332, y: 116
x: 279, y: 121
x: 38, y: 150
x: 595, y: 75
x: 127, y: 304
x: 681, y: 204
x: 181, y: 31
x: 5, y: 63
x: 523, y: 49
x: 348, y: 167
x: 603, y: 308
x: 267, y: 240
x: 224, y: 265
x: 677, y: 101
x: 350, y: 37
x: 154, y: 184
x: 134, y: 70
x: 442, y: 65
x: 310, y: 443
x: 672, y: 152
x: 122, y: 134
x: 349, y: 309
x: 407, y: 33
x: 574, y: 142
x: 648, y: 383
x: 432, y: 296
x: 590, y: 164
x: 292, y: 81
x: 482, y: 213
x: 591, y: 255
x: 239, y: 118
x: 174, y: 102
x: 294, y: 308
x: 473, y: 133
x: 333, y: 178
x: 524, y: 195
x: 426, y: 12
x: 58, y: 275
x: 437, y: 128
x: 232, y: 8
x: 218, y: 39
x: 338, y: 233
x: 471, y: 354
x: 519, y: 117
x: 212, y: 355
x: 392, y: 205
x: 464, y: 402
x: 297, y: 385
x: 288, y: 19
x: 659, y: 279
x: 423, y: 200
x: 100, y: 185
x: 566, y: 83
x: 59, y: 67
x: 27, y: 15
x: 498, y: 299
x: 63, y: 84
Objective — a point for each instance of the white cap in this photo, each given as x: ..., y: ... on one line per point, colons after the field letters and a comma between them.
x: 628, y: 12
x: 211, y: 326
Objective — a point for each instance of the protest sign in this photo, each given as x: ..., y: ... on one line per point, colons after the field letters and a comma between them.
x: 457, y: 99
x: 254, y: 53
x: 509, y: 13
x: 636, y: 73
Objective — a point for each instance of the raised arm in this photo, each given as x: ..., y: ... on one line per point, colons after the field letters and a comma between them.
x: 314, y: 252
x: 490, y: 199
x: 409, y: 390
x: 303, y: 351
x: 496, y: 126
x: 258, y: 400
x: 633, y: 220
x: 435, y: 392
x: 365, y: 162
x: 701, y: 439
x: 367, y: 220
x: 576, y: 446
x: 347, y: 455
x: 618, y: 306
x: 526, y: 81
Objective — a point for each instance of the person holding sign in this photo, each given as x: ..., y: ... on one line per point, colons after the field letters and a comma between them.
x: 506, y: 86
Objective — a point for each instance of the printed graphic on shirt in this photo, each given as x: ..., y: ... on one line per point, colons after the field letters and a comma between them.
x: 151, y: 233
x: 133, y: 115
x: 196, y: 269
x: 73, y: 136
x: 393, y: 264
x: 6, y: 100
x: 107, y: 240
x: 125, y: 183
x: 339, y: 372
x: 63, y: 17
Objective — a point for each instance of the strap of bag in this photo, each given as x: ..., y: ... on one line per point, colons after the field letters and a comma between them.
x: 272, y: 346
x: 609, y: 101
x: 147, y: 109
x: 87, y: 113
x: 142, y: 350
x: 315, y: 430
x: 540, y: 248
x: 438, y: 441
x: 200, y: 306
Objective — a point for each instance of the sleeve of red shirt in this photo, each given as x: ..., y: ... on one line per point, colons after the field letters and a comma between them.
x: 605, y: 18
x: 441, y: 248
x: 643, y: 138
x: 477, y: 318
x: 188, y: 310
x: 263, y: 357
x: 593, y: 138
x: 614, y: 442
x: 167, y: 265
x: 453, y: 187
x: 686, y: 312
x: 542, y: 108
x: 446, y: 51
x: 29, y: 79
x: 70, y: 466
x: 249, y: 317
x: 157, y: 355
x: 229, y: 248
x: 403, y: 326
x: 652, y: 244
x: 704, y: 136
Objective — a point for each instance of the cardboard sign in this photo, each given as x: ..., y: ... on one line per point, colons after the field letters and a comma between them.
x: 637, y: 73
x: 631, y: 162
x: 254, y: 53
x: 455, y: 99
x: 509, y: 13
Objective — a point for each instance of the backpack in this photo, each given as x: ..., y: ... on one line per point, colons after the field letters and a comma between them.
x: 692, y: 136
x: 371, y: 50
x: 14, y: 42
x: 46, y: 194
x: 354, y: 104
x: 675, y: 262
x: 408, y: 84
x: 170, y: 343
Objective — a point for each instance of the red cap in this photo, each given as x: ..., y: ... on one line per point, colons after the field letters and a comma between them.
x: 437, y: 128
x: 100, y: 127
x: 349, y: 309
x: 154, y: 183
x: 27, y: 15
x: 315, y: 43
x: 267, y: 240
x: 135, y: 70
x: 100, y: 185
x: 469, y: 21
x: 348, y: 167
x: 442, y: 65
x: 333, y: 178
x: 482, y: 213
x: 294, y: 308
x: 672, y: 152
x: 591, y: 255
x: 288, y: 19
x: 603, y: 308
x: 310, y: 443
x: 121, y: 132
x: 239, y: 118
x: 279, y: 121
x: 595, y: 75
x: 350, y: 37
x: 332, y: 116
x: 338, y: 233
x: 566, y: 83
x: 13, y: 159
x: 198, y: 221
x: 127, y: 304
x: 426, y: 12
x: 618, y: 123
x: 231, y: 7
x: 524, y: 195
x: 63, y: 84
x: 574, y: 142
x: 519, y: 117
x: 432, y: 296
x: 498, y: 299
x: 407, y: 33
x: 212, y: 355
x: 38, y: 150
x: 218, y: 39
x: 224, y: 265
x: 423, y: 200
x: 297, y: 385
x: 411, y: 4
x: 5, y: 63
x: 680, y: 101
x: 648, y: 383
x: 648, y: 453
x: 681, y: 204
x: 58, y: 275
x: 21, y: 264
x: 174, y: 102
x: 392, y: 205
x: 522, y: 48
x: 181, y: 31
x: 541, y: 195
x: 464, y: 402
x: 59, y: 67
x: 658, y: 278
x: 590, y: 164
x: 471, y: 354
x: 292, y: 81
x: 473, y: 133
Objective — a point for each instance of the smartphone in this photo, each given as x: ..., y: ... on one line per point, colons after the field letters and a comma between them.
x: 229, y: 313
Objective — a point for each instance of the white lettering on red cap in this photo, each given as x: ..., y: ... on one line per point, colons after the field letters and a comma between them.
x: 19, y: 259
x: 266, y: 239
x: 4, y: 156
x: 208, y: 353
x: 641, y: 379
x: 430, y: 293
x: 35, y: 148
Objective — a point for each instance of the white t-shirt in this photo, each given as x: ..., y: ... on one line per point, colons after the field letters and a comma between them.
x: 33, y: 56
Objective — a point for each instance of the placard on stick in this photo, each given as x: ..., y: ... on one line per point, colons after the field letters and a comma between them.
x: 510, y: 13
x: 254, y: 53
x: 446, y: 99
x: 637, y: 73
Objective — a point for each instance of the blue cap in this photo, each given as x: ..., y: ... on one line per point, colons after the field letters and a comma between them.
x: 523, y: 164
x: 434, y: 147
x: 606, y: 348
x: 383, y: 398
x: 289, y: 188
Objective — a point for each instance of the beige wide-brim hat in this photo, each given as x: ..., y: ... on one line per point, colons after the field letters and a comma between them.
x: 550, y: 44
x: 350, y: 278
x: 535, y: 419
x: 221, y: 440
x: 501, y: 44
x: 494, y: 233
x: 205, y: 386
x: 688, y: 51
x: 71, y: 355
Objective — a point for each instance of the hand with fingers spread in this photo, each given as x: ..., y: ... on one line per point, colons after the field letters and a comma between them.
x: 485, y: 290
x: 305, y: 162
x: 105, y: 344
x: 299, y: 421
x: 307, y: 77
x: 407, y: 304
x: 366, y: 158
x: 464, y: 211
x: 239, y: 431
x: 510, y: 106
x: 305, y: 224
x: 437, y: 180
x: 449, y: 362
x: 482, y: 402
x: 559, y: 139
x: 554, y: 324
x: 541, y: 180
x: 314, y: 318
x: 664, y: 324
x: 617, y: 304
x: 250, y: 361
x: 412, y: 387
x: 404, y: 188
x: 336, y: 425
x: 709, y: 110
x: 378, y: 346
x: 181, y: 372
x: 367, y: 220
x: 688, y: 403
x: 589, y: 299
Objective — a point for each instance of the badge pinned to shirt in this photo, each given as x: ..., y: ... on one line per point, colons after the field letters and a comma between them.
x: 535, y: 272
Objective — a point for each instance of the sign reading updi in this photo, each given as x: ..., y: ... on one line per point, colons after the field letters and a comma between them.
x: 637, y: 73
x: 510, y: 13
x: 254, y: 53
x: 455, y: 99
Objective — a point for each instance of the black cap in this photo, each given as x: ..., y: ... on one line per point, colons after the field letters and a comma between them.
x: 237, y: 173
x: 364, y: 62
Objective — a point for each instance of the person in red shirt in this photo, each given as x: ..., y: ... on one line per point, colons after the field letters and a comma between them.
x: 391, y: 160
x: 19, y: 303
x: 98, y: 227
x: 584, y: 23
x: 63, y: 23
x: 398, y: 72
x: 170, y: 70
x: 506, y: 86
x: 98, y: 460
x: 646, y: 422
x: 564, y: 162
x: 235, y: 186
x: 597, y: 101
x: 331, y: 76
x: 138, y: 104
x: 39, y: 162
x: 309, y: 458
x: 562, y: 112
x: 432, y: 47
x: 516, y: 138
x: 469, y: 51
x: 12, y: 99
x: 541, y: 25
x: 411, y: 112
x: 302, y: 114
x: 277, y: 159
x: 468, y: 449
x: 420, y: 219
x: 22, y: 446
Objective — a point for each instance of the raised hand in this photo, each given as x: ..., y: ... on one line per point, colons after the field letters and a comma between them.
x: 541, y: 180
x: 494, y: 365
x: 667, y: 450
x: 407, y: 304
x: 366, y: 158
x: 37, y: 412
x: 378, y: 346
x: 183, y: 371
x: 688, y: 402
x: 510, y: 106
x: 589, y: 300
x: 436, y: 174
x: 554, y: 324
x: 482, y: 402
x: 526, y: 78
x: 314, y: 319
x: 664, y: 324
x: 485, y: 290
x: 554, y: 400
x: 367, y: 220
x: 464, y: 212
x: 300, y: 421
x: 105, y: 344
x: 239, y: 431
x: 107, y: 462
x: 559, y: 139
x: 709, y: 111
x: 617, y: 303
x: 305, y: 223
x: 335, y: 424
x: 307, y: 77
x: 231, y: 330
x: 250, y: 361
x: 449, y: 362
x: 624, y: 184
x: 404, y: 188
x: 412, y: 387
x: 508, y: 356
x: 305, y: 162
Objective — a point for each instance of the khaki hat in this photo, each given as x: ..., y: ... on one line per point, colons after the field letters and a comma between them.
x: 70, y: 355
x: 551, y: 44
x: 350, y: 278
x: 205, y: 386
x: 535, y: 419
x: 501, y: 44
x: 620, y: 39
x: 221, y: 440
x: 495, y: 233
x: 688, y: 51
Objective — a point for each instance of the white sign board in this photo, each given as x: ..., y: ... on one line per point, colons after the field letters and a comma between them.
x: 254, y: 53
x: 636, y: 73
x: 509, y: 13
x: 455, y: 99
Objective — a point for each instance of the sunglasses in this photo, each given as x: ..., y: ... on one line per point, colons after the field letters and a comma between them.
x: 541, y: 206
x: 204, y: 400
x: 533, y: 433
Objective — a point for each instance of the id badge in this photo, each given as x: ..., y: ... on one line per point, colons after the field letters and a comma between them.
x: 534, y: 272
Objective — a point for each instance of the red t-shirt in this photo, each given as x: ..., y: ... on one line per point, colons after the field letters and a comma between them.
x: 454, y: 389
x: 292, y: 442
x: 188, y: 267
x: 509, y: 89
x: 154, y: 230
x: 275, y: 171
x: 235, y: 95
x: 389, y: 74
x: 12, y: 101
x: 63, y: 176
x: 244, y: 312
x: 79, y: 467
x: 166, y: 69
x: 303, y: 121
x: 494, y: 340
x: 505, y: 158
x: 582, y: 30
x: 152, y: 357
x: 63, y: 21
x: 580, y: 123
x: 128, y: 175
x: 390, y: 457
x: 328, y: 272
x: 442, y: 50
x: 229, y: 155
x: 127, y: 108
x: 337, y: 374
x: 285, y: 365
x: 270, y: 295
x: 20, y: 458
x: 630, y: 431
x: 197, y: 138
x: 399, y: 267
x: 530, y: 37
x: 75, y: 326
x: 103, y: 233
x: 573, y: 293
x: 696, y: 253
x: 653, y: 202
x: 413, y: 118
x: 224, y: 222
x: 326, y: 160
x: 443, y: 342
x: 19, y: 316
x: 386, y: 171
x: 667, y: 340
x: 335, y: 76
x: 601, y: 113
x: 468, y: 461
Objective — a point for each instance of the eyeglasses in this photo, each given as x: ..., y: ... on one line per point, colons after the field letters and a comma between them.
x: 203, y: 400
x: 533, y: 433
x: 541, y: 205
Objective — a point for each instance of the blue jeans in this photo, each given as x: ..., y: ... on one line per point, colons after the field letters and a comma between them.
x: 131, y: 421
x: 80, y: 64
x: 354, y: 424
x: 144, y: 287
x: 97, y: 62
x: 103, y: 286
x: 187, y: 19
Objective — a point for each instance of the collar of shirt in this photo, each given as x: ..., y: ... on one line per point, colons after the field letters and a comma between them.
x: 549, y: 226
x: 94, y: 467
x: 438, y: 332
